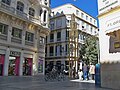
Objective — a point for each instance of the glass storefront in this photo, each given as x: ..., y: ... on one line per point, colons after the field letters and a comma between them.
x: 27, y: 66
x: 2, y: 57
x: 13, y: 68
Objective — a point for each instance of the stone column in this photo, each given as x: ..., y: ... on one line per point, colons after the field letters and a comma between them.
x: 9, y: 33
x: 21, y: 64
x: 6, y: 63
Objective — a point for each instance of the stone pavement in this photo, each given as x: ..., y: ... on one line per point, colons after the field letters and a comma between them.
x: 38, y: 83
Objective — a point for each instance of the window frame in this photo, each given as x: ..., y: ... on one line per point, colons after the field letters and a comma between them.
x: 17, y: 33
x: 4, y: 29
x: 29, y: 36
x: 20, y: 6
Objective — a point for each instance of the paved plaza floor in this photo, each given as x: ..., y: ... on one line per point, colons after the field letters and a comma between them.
x: 38, y: 83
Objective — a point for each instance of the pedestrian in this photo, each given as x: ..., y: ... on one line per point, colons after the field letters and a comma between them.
x: 92, y: 71
x: 85, y: 69
x: 80, y: 74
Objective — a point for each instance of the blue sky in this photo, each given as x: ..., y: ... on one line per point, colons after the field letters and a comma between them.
x: 89, y: 6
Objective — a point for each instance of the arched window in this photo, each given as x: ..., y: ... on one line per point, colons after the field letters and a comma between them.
x: 31, y: 12
x: 6, y: 2
x: 20, y: 6
x: 45, y: 12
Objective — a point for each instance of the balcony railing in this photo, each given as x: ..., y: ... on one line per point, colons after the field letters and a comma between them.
x: 29, y: 43
x: 3, y: 37
x: 16, y: 40
x: 20, y: 14
x: 35, y: 20
x: 8, y: 9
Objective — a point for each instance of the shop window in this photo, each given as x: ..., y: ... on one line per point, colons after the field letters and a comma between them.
x: 13, y: 65
x: 3, y: 29
x: 6, y: 2
x: 27, y: 66
x: 16, y: 32
x: 31, y: 12
x: 29, y: 36
x: 20, y: 6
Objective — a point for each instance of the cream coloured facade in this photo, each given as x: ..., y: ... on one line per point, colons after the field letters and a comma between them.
x: 23, y: 29
x: 57, y: 52
x: 109, y: 36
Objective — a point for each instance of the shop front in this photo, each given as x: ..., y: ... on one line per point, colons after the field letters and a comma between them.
x: 27, y: 66
x: 14, y: 61
x: 2, y: 58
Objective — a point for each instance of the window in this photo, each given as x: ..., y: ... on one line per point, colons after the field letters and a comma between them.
x: 16, y: 32
x: 58, y: 23
x: 6, y: 2
x: 77, y: 12
x: 67, y: 34
x: 31, y: 12
x: 58, y: 36
x: 45, y: 2
x: 52, y: 25
x: 20, y: 6
x: 82, y: 15
x: 91, y: 29
x: 66, y: 48
x: 90, y: 19
x: 3, y: 29
x: 41, y: 11
x: 42, y: 40
x: 94, y: 22
x: 58, y: 50
x: 51, y: 37
x: 45, y: 12
x: 29, y: 36
x: 51, y: 50
x: 86, y: 17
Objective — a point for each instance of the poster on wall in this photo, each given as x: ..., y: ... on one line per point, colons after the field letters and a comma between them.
x: 105, y: 5
x: 40, y: 65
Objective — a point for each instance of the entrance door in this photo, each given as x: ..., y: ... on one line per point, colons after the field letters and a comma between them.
x: 27, y: 66
x: 2, y: 57
x: 13, y: 65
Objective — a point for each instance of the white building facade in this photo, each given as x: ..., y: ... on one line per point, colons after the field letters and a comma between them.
x: 57, y: 52
x: 23, y: 28
x: 109, y: 36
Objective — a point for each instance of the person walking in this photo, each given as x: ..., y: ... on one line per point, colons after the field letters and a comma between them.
x: 85, y: 70
x: 80, y: 74
x: 92, y: 71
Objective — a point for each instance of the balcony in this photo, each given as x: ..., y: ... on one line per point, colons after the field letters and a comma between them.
x: 34, y: 1
x: 16, y: 40
x: 29, y: 43
x: 35, y: 20
x: 14, y: 12
x: 20, y: 14
x: 3, y: 37
x: 6, y: 8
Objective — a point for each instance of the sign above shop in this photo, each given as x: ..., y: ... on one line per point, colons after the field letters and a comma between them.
x: 113, y: 24
x: 14, y: 53
x: 104, y: 5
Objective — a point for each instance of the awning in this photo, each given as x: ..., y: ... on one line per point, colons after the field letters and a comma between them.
x: 114, y: 33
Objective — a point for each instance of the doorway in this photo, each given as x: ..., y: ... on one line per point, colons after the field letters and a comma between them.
x: 13, y: 69
x: 27, y: 66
